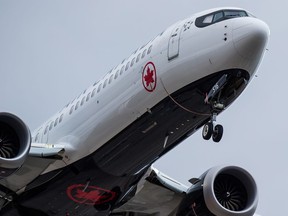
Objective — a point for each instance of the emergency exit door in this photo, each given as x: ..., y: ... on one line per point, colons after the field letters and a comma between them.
x: 174, y: 43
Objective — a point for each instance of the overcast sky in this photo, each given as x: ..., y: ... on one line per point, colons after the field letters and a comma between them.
x: 52, y: 50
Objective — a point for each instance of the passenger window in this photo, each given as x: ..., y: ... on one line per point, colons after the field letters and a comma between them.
x: 127, y: 66
x: 37, y: 137
x: 61, y: 118
x: 132, y: 62
x: 122, y: 70
x: 116, y: 74
x: 88, y: 96
x: 77, y: 105
x: 111, y: 78
x: 149, y: 50
x: 56, y: 122
x: 51, y: 126
x: 93, y: 92
x: 144, y: 53
x: 105, y: 83
x: 82, y: 101
x: 71, y: 110
x: 99, y: 87
x: 138, y: 57
x: 46, y: 129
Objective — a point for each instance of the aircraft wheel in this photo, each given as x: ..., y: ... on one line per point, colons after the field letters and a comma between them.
x: 207, y: 131
x: 217, y: 133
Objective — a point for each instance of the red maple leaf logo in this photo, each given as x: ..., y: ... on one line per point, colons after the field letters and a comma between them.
x: 149, y: 77
x: 92, y: 196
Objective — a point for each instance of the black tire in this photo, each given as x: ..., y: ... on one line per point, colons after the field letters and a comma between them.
x: 217, y: 133
x: 207, y: 131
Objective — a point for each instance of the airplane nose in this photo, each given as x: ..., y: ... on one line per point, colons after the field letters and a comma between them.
x: 250, y: 39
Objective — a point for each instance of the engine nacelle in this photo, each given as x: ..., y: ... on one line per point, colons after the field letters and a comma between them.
x: 221, y: 191
x: 15, y: 141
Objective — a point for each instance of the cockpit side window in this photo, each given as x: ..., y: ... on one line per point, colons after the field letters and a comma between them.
x: 208, y: 19
x: 218, y: 16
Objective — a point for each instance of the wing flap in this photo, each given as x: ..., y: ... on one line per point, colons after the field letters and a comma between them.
x: 157, y: 194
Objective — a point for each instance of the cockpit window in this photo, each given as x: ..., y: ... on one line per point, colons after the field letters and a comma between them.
x: 218, y: 16
x: 208, y: 19
x: 233, y: 14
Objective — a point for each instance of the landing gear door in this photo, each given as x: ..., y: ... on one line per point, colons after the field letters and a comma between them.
x: 174, y: 43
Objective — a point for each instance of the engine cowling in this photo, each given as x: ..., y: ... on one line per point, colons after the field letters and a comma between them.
x: 221, y: 191
x: 15, y: 141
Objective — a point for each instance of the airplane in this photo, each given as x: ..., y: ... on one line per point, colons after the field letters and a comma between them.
x: 95, y: 156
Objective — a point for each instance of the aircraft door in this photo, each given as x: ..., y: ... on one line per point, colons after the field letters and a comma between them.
x: 174, y: 43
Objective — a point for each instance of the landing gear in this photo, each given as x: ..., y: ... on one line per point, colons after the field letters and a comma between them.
x: 213, y: 98
x: 215, y: 132
x: 207, y: 131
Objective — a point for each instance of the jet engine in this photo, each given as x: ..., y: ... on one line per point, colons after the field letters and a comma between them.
x: 221, y: 191
x: 15, y: 140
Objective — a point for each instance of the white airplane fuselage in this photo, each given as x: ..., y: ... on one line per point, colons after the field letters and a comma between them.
x: 181, y: 55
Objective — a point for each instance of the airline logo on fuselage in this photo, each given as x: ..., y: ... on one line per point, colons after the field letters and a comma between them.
x: 89, y: 195
x: 149, y: 78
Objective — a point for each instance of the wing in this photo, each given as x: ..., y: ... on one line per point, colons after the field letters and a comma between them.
x: 39, y: 158
x: 160, y: 195
x: 156, y: 194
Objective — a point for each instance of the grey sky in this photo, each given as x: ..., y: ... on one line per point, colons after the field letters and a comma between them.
x: 50, y: 51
